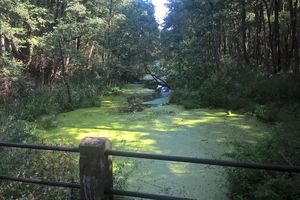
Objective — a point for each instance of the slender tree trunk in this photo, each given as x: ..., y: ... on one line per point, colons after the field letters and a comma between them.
x: 30, y: 54
x: 157, y: 79
x: 295, y: 43
x: 78, y: 42
x: 64, y: 75
x: 277, y: 53
x: 2, y: 43
x: 264, y: 40
x: 91, y: 54
x: 258, y: 16
x: 108, y: 62
x: 243, y: 15
x: 270, y: 35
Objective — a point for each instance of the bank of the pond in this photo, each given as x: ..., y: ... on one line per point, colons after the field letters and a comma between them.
x: 169, y: 130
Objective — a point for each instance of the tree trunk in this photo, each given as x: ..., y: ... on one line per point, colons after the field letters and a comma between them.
x: 243, y: 15
x: 64, y: 75
x: 271, y: 44
x: 91, y: 54
x: 2, y: 43
x: 30, y: 54
x: 78, y: 42
x: 258, y: 16
x: 108, y: 62
x: 295, y: 43
x: 157, y: 79
x: 277, y: 53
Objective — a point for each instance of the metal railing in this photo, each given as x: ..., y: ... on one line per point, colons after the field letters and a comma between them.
x: 224, y: 163
x: 105, y: 152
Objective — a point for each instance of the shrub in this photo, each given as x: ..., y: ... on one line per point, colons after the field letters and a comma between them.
x: 234, y: 86
x: 188, y: 99
x: 53, y: 166
x: 135, y: 104
x: 281, y: 147
x: 47, y: 122
x: 266, y: 113
x: 114, y: 91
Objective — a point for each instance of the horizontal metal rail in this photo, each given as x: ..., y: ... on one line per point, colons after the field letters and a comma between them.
x: 39, y: 147
x: 40, y: 182
x: 144, y: 195
x: 226, y: 163
x: 77, y: 186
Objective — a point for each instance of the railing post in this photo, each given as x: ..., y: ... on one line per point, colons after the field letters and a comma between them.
x: 95, y: 169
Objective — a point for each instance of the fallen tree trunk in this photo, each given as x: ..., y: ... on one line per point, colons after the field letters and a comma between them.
x: 157, y: 79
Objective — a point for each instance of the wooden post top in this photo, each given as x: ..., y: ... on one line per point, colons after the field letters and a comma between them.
x: 95, y: 169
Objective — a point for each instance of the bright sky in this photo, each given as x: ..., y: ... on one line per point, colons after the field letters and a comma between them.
x: 160, y: 10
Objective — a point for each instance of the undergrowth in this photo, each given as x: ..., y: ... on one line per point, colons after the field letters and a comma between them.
x: 273, y: 99
x: 37, y: 108
x: 281, y: 148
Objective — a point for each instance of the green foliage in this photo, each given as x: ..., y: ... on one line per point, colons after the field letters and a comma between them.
x: 266, y: 113
x: 280, y: 148
x: 47, y: 122
x: 229, y: 87
x: 284, y: 87
x: 135, y: 104
x: 50, y: 52
x: 189, y: 99
x: 31, y: 163
x: 36, y: 103
x: 15, y: 130
x: 85, y: 95
x: 114, y: 91
x: 53, y: 166
x: 120, y: 176
x: 234, y: 86
x: 10, y: 67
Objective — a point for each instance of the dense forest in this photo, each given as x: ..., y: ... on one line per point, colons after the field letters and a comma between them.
x: 51, y: 39
x: 217, y: 40
x: 59, y: 55
x: 239, y: 55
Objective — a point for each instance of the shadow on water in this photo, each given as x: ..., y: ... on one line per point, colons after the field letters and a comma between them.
x: 163, y: 129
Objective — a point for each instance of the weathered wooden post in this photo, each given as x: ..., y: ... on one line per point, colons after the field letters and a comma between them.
x: 95, y: 169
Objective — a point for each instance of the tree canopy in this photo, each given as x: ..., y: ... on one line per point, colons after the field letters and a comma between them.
x: 199, y: 34
x: 53, y: 38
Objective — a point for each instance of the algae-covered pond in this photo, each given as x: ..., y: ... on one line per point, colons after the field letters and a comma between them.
x: 166, y: 129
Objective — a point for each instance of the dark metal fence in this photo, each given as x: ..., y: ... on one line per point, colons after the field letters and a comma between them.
x: 224, y: 163
x: 101, y: 172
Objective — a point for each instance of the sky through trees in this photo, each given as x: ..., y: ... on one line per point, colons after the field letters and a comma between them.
x: 160, y: 10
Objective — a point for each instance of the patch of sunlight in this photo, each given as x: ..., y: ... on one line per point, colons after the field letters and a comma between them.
x: 103, y: 127
x: 233, y: 115
x: 162, y: 125
x: 232, y: 118
x: 189, y: 122
x: 111, y: 134
x: 178, y: 168
x: 244, y: 126
x: 221, y: 140
x: 251, y: 142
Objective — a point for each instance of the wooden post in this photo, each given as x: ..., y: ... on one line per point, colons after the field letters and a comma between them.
x: 95, y: 169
